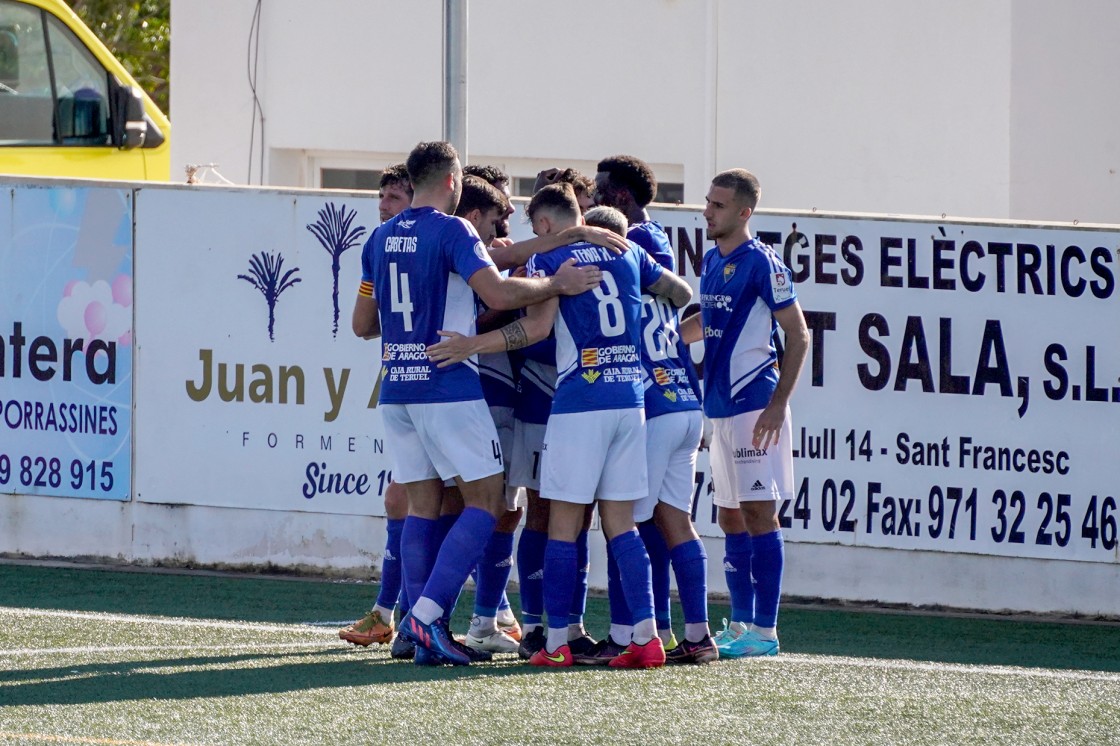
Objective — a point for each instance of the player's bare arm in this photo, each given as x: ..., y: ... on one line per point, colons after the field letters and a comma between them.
x: 691, y: 329
x: 507, y: 293
x: 455, y: 348
x: 796, y: 332
x: 514, y: 255
x: 366, y: 321
x: 673, y: 288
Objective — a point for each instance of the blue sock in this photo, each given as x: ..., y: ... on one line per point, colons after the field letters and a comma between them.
x: 658, y: 552
x: 459, y: 553
x: 560, y: 572
x: 418, y: 551
x: 530, y: 574
x: 620, y: 611
x: 443, y: 528
x: 493, y: 573
x: 690, y: 563
x: 737, y: 570
x: 579, y: 595
x: 391, y: 566
x: 767, y: 563
x: 633, y: 569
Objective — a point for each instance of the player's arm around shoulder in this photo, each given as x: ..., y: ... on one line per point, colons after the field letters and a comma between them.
x: 535, y: 326
x: 508, y: 293
x: 673, y: 287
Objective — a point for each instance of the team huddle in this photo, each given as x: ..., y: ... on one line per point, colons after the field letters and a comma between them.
x: 539, y: 381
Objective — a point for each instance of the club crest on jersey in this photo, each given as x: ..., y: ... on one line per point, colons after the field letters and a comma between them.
x: 661, y: 376
x: 591, y: 376
x: 781, y: 285
x: 589, y: 357
x: 728, y: 271
x: 480, y: 252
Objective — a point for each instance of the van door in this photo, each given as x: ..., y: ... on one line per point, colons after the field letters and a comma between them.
x: 57, y: 102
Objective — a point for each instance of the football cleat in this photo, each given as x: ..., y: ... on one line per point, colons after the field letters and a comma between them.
x: 671, y: 643
x: 582, y: 645
x: 704, y: 651
x: 369, y: 629
x: 650, y: 655
x: 531, y: 643
x: 492, y: 642
x: 728, y: 633
x: 435, y: 637
x: 562, y: 658
x: 402, y: 648
x: 511, y: 628
x: 748, y: 645
x: 601, y: 653
x: 425, y: 657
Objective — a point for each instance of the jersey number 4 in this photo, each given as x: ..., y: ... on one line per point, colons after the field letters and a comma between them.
x: 400, y: 300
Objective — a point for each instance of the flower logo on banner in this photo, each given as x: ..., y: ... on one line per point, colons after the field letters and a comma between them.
x: 98, y: 310
x: 336, y: 236
x: 265, y: 275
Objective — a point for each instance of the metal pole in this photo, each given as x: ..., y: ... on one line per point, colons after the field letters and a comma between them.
x: 455, y: 75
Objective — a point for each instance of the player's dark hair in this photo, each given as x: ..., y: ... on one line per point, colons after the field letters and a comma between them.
x: 479, y: 195
x: 394, y: 175
x: 559, y: 198
x: 429, y: 161
x: 742, y: 182
x: 580, y: 183
x: 633, y: 174
x: 492, y: 175
x: 607, y: 217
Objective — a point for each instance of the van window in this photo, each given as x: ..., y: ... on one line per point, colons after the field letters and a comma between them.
x: 53, y: 91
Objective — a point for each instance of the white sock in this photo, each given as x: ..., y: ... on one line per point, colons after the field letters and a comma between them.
x: 426, y: 610
x: 527, y: 628
x: 665, y: 635
x: 506, y: 617
x: 386, y: 614
x: 622, y: 633
x: 576, y: 631
x: 644, y: 631
x: 556, y: 638
x: 481, y: 626
x: 696, y: 631
x: 766, y: 633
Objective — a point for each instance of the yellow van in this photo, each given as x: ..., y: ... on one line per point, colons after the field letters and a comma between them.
x: 67, y: 105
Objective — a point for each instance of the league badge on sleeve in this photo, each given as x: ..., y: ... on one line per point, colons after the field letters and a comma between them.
x: 781, y: 285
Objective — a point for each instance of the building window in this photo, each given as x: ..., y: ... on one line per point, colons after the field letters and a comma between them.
x: 670, y: 192
x: 523, y: 186
x: 349, y: 178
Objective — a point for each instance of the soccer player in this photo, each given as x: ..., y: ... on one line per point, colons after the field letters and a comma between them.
x: 436, y: 421
x: 746, y: 293
x: 597, y: 419
x: 673, y: 430
x: 376, y: 626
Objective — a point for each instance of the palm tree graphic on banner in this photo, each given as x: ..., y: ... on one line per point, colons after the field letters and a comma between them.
x: 265, y: 275
x: 335, y: 234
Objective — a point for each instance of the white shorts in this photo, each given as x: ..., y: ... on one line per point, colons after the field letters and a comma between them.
x: 525, y: 457
x: 598, y: 455
x: 442, y: 440
x: 671, y: 443
x: 742, y: 473
x: 503, y: 423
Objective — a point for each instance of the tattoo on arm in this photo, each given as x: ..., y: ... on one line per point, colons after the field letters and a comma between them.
x: 515, y: 335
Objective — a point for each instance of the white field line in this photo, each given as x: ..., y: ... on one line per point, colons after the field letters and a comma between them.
x: 95, y: 649
x: 170, y: 622
x: 933, y: 667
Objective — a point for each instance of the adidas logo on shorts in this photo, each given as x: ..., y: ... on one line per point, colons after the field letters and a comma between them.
x: 728, y: 567
x: 758, y: 485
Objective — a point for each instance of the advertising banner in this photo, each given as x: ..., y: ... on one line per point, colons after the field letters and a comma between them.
x: 962, y: 390
x: 252, y: 390
x: 66, y: 342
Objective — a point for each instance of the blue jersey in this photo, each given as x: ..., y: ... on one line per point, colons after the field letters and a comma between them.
x: 535, y: 389
x: 598, y: 334
x: 667, y: 374
x: 738, y: 296
x: 419, y: 263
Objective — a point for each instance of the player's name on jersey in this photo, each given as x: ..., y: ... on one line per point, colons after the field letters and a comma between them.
x: 591, y: 357
x: 400, y: 244
x: 594, y: 254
